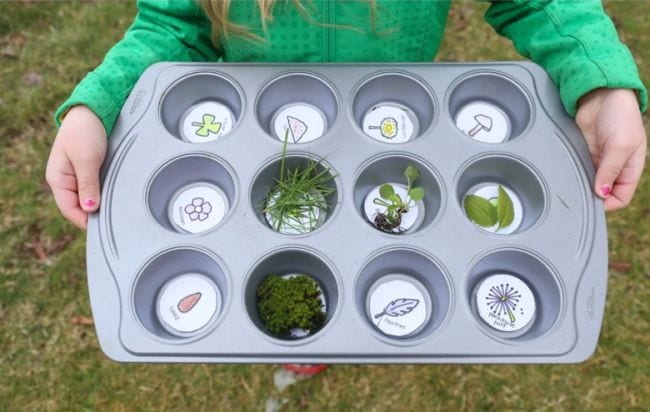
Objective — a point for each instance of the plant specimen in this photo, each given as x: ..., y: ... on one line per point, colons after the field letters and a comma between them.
x: 391, y: 219
x: 290, y: 302
x: 297, y: 202
x: 489, y: 212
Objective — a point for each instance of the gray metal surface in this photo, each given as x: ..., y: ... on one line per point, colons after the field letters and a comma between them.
x: 560, y: 249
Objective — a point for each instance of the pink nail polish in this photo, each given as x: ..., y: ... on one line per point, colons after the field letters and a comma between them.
x: 605, y: 189
x: 89, y: 202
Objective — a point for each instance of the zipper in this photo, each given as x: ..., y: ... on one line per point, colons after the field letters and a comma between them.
x: 331, y: 16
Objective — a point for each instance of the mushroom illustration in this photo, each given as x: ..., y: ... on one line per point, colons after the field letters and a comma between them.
x: 483, y: 123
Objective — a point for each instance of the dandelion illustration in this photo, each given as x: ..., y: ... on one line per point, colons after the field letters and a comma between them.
x: 199, y: 209
x: 387, y: 127
x: 503, y: 299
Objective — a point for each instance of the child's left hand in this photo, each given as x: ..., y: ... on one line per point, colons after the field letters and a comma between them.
x: 611, y: 123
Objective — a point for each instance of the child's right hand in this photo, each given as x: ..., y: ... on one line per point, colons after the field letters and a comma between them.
x: 73, y: 167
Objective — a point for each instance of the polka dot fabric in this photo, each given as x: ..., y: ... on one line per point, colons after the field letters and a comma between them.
x: 573, y: 40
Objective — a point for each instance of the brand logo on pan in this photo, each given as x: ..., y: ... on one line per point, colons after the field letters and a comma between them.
x: 137, y: 100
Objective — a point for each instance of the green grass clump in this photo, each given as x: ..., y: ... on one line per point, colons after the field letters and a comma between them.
x: 287, y: 303
x: 298, y: 199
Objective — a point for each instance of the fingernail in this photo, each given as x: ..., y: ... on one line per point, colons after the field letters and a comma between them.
x: 89, y: 202
x: 605, y: 189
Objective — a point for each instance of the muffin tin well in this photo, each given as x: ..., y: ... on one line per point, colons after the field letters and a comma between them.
x: 184, y: 237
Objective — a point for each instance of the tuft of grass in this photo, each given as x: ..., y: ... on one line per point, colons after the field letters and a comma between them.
x: 298, y: 198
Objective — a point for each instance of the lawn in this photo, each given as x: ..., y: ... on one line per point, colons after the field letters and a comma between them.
x: 49, y: 355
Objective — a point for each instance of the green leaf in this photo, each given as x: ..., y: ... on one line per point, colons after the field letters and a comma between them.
x: 480, y: 211
x: 505, y: 209
x: 395, y: 199
x: 386, y: 191
x: 411, y: 173
x: 417, y: 194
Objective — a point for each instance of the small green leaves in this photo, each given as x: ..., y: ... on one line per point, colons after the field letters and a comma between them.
x: 411, y: 173
x: 480, y: 211
x: 386, y: 191
x: 390, y: 220
x: 505, y: 209
x: 489, y: 212
x: 416, y: 193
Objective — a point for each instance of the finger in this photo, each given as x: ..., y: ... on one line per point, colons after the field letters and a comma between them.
x: 62, y: 181
x: 614, y: 158
x: 86, y: 168
x: 626, y: 183
x: 68, y: 203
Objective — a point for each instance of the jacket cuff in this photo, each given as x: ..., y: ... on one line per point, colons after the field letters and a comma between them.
x: 617, y: 70
x: 92, y: 94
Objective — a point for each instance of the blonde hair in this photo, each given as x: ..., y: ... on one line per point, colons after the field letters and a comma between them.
x: 217, y: 12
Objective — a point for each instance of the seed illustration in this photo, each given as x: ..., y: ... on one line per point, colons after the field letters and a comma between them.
x: 188, y: 302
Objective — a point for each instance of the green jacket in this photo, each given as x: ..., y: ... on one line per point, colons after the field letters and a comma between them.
x: 573, y: 40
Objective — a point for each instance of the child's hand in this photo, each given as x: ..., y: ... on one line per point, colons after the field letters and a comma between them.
x: 611, y: 123
x: 73, y: 167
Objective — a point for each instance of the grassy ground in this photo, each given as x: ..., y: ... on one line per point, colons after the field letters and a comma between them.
x: 50, y: 360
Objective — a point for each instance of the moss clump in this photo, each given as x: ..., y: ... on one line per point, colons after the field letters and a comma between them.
x: 288, y: 303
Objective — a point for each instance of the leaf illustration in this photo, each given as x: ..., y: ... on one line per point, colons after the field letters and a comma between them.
x: 399, y: 307
x: 386, y: 191
x: 505, y: 209
x: 480, y: 211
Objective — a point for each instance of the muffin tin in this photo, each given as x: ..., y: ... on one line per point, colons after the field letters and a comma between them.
x: 181, y: 241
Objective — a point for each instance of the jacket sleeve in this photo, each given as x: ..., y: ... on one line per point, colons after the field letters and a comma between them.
x: 574, y: 40
x: 171, y: 30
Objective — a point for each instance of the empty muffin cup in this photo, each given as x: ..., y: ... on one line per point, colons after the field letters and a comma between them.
x: 398, y: 305
x: 302, y: 104
x: 484, y: 122
x: 403, y: 295
x: 390, y: 122
x: 490, y: 107
x: 505, y: 303
x: 197, y: 207
x: 302, y: 121
x: 191, y: 194
x: 514, y: 294
x: 180, y: 294
x: 187, y: 303
x: 206, y: 121
x: 393, y: 107
x: 201, y: 107
x: 376, y: 212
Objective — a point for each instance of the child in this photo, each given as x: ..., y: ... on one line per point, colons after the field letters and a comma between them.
x: 573, y: 40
